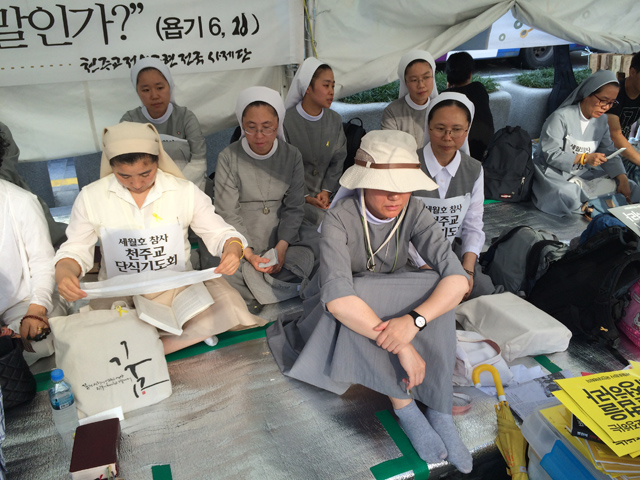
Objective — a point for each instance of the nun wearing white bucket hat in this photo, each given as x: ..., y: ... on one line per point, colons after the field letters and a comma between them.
x: 416, y: 72
x: 370, y: 320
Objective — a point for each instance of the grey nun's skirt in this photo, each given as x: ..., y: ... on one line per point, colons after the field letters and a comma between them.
x: 317, y: 349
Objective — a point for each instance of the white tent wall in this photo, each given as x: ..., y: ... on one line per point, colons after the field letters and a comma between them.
x: 364, y: 39
x: 361, y: 39
x: 65, y: 119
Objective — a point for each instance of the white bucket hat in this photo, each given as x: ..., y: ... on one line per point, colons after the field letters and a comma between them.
x: 387, y: 160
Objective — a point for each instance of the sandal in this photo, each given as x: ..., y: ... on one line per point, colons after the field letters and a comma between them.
x: 587, y: 211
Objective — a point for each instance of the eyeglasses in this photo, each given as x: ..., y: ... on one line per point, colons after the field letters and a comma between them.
x: 454, y: 132
x: 417, y: 80
x: 264, y: 131
x: 604, y: 103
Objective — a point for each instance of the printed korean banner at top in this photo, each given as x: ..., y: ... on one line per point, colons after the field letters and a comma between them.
x: 80, y: 40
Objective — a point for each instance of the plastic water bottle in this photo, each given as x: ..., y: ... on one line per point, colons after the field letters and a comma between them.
x: 63, y: 406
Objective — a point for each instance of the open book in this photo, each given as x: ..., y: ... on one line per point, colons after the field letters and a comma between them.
x: 187, y: 304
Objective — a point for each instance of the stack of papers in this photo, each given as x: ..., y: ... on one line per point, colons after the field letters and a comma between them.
x: 601, y: 456
x: 609, y: 405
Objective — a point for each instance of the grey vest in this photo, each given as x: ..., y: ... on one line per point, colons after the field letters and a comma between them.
x: 462, y: 182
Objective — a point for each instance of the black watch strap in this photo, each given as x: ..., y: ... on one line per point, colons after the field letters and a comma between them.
x: 418, y: 320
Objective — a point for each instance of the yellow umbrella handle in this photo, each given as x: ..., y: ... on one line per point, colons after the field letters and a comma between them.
x: 475, y: 377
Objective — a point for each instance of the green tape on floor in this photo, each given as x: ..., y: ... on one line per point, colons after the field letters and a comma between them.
x: 548, y: 364
x: 410, y: 461
x: 161, y: 472
x: 224, y: 340
x: 488, y: 202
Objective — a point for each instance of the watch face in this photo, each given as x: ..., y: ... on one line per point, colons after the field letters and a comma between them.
x: 420, y: 322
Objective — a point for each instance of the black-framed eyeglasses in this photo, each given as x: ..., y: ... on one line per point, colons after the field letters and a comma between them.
x: 604, y: 103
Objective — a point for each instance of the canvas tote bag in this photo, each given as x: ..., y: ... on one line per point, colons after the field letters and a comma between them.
x: 111, y: 358
x: 520, y: 328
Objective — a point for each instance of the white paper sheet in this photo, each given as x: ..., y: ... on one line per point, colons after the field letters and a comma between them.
x: 145, y: 282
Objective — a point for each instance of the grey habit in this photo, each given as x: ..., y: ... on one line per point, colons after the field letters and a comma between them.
x: 399, y: 115
x: 560, y: 142
x: 319, y: 350
x: 245, y: 188
x: 323, y: 146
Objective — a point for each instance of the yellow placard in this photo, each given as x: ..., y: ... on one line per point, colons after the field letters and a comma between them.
x: 610, y: 399
x: 624, y: 447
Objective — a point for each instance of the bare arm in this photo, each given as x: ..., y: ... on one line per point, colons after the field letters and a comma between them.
x: 620, y: 141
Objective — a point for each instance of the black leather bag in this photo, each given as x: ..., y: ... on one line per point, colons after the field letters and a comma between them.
x: 16, y: 380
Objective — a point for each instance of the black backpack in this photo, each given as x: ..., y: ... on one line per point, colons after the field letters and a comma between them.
x: 520, y: 256
x: 354, y: 134
x: 587, y: 289
x: 508, y: 166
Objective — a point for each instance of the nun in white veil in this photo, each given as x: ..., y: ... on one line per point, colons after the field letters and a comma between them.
x: 416, y: 72
x: 178, y: 127
x: 457, y: 204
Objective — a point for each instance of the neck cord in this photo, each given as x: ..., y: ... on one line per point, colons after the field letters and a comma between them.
x: 371, y: 261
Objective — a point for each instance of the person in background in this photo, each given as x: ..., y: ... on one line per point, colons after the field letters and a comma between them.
x: 459, y: 70
x: 178, y: 127
x: 570, y: 161
x: 367, y: 320
x: 27, y: 297
x: 416, y: 72
x: 457, y: 204
x: 260, y: 190
x: 317, y: 132
x: 9, y: 172
x: 142, y: 190
x: 623, y: 115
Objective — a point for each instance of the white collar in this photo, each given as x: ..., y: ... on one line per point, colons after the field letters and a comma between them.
x: 582, y: 117
x: 414, y: 105
x: 162, y: 119
x: 306, y: 116
x: 434, y: 166
x: 254, y: 155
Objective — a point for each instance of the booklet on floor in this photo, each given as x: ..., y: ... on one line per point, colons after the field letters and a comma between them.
x: 186, y: 305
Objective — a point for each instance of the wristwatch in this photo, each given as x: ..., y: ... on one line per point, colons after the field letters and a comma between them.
x: 418, y: 320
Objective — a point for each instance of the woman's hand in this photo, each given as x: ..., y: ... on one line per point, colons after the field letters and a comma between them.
x: 466, y: 295
x: 396, y: 333
x: 230, y: 258
x: 255, y: 260
x: 623, y: 186
x: 413, y: 364
x: 281, y: 249
x: 315, y: 202
x: 595, y: 159
x: 31, y: 327
x: 67, y: 272
x: 323, y: 198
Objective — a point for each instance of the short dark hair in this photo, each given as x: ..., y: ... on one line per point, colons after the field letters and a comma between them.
x: 260, y: 103
x: 317, y: 73
x: 449, y: 103
x: 131, y: 158
x: 635, y: 62
x: 417, y: 60
x: 459, y: 67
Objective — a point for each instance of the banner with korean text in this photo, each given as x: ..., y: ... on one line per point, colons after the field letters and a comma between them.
x: 77, y: 40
